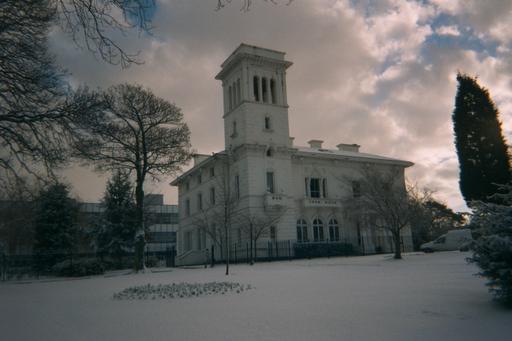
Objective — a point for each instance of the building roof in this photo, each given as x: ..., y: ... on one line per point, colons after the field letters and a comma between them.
x: 352, y: 155
x: 251, y: 51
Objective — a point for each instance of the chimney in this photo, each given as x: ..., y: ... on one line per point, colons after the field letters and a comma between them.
x: 315, y: 143
x: 348, y: 147
x: 198, y: 158
x: 290, y: 141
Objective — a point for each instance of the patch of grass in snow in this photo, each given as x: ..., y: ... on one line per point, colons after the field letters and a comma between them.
x: 180, y: 290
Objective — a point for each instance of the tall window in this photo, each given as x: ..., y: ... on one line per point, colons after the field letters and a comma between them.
x: 187, y: 207
x: 273, y: 91
x: 270, y: 182
x: 324, y: 188
x: 334, y: 230
x: 356, y: 189
x: 234, y: 129
x: 188, y: 240
x: 256, y: 88
x: 302, y: 231
x: 200, y: 201
x: 212, y: 172
x: 314, y: 188
x: 318, y: 230
x: 273, y: 233
x: 230, y: 104
x: 267, y: 123
x: 264, y: 90
x: 238, y: 92
x: 212, y: 195
x: 198, y: 239
x: 237, y: 186
x: 199, y: 178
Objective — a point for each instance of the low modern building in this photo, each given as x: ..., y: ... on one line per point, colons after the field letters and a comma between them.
x: 263, y: 184
x: 162, y: 221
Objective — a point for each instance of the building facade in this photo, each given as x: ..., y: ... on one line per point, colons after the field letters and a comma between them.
x: 263, y: 187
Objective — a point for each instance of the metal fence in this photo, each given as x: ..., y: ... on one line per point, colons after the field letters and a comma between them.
x: 289, y: 249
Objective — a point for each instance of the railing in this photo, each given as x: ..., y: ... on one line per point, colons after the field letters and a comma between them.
x: 273, y: 199
x: 321, y: 202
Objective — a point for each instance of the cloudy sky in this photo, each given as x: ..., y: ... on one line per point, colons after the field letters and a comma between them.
x: 380, y: 73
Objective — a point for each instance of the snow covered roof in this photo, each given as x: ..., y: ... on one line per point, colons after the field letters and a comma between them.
x: 345, y: 154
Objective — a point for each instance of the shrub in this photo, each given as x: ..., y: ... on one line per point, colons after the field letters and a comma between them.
x: 78, y: 268
x: 309, y: 250
x: 493, y: 247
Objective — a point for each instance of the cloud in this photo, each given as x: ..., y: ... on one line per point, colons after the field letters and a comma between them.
x: 364, y: 72
x: 451, y: 30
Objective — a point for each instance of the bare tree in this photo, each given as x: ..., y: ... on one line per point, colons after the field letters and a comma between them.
x: 92, y: 23
x: 385, y: 202
x: 222, y: 213
x: 35, y: 103
x: 31, y: 93
x: 136, y: 132
x: 254, y: 226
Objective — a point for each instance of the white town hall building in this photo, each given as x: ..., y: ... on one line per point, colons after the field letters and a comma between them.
x: 288, y: 192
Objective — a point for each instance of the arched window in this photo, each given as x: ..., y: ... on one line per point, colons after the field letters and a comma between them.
x: 264, y: 90
x: 334, y: 230
x: 256, y: 88
x: 230, y: 104
x: 318, y: 230
x: 273, y: 91
x: 302, y: 231
x: 235, y: 95
x: 238, y: 91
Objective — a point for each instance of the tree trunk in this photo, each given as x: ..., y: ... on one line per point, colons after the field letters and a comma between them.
x: 396, y: 241
x: 140, y: 235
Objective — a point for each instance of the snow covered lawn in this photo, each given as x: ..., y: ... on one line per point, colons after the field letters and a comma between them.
x: 423, y: 297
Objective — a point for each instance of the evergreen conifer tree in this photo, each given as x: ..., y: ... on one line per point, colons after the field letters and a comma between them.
x: 118, y: 225
x: 483, y: 158
x: 55, y: 226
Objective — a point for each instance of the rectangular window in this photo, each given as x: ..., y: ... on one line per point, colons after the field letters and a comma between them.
x: 267, y: 123
x: 273, y: 233
x: 324, y: 188
x: 212, y: 195
x: 187, y: 186
x: 237, y: 186
x: 187, y: 207
x: 270, y: 182
x: 199, y: 179
x: 234, y: 129
x: 356, y: 189
x: 200, y: 201
x: 188, y: 240
x: 314, y: 188
x: 212, y: 172
x: 198, y: 239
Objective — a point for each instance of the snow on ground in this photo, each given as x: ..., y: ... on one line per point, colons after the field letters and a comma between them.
x: 423, y: 297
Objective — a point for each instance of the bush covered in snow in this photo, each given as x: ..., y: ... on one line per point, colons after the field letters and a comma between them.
x: 493, y: 248
x: 180, y: 290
